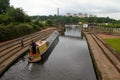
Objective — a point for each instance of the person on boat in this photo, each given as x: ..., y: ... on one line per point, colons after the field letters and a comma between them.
x: 33, y: 44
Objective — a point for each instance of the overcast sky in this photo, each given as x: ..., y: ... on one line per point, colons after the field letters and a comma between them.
x: 100, y: 8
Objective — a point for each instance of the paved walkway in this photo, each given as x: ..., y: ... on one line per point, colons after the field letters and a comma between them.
x: 108, y: 66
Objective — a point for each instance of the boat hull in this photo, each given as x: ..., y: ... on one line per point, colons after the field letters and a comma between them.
x: 52, y: 40
x: 35, y: 60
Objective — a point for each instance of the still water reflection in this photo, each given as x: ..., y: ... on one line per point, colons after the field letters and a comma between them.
x: 70, y: 60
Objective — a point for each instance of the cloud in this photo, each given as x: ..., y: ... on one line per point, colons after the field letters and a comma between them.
x: 49, y: 7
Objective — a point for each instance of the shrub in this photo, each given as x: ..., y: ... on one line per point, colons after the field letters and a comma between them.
x: 110, y: 25
x: 13, y: 31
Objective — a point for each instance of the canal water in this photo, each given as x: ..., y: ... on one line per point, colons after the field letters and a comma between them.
x: 69, y: 60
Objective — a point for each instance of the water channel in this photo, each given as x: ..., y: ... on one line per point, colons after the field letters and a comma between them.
x: 70, y: 60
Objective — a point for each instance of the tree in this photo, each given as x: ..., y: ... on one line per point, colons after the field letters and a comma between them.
x: 49, y: 22
x: 4, y: 5
x: 5, y: 19
x: 17, y: 15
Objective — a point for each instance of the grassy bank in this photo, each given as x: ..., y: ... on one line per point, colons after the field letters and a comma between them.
x: 115, y: 43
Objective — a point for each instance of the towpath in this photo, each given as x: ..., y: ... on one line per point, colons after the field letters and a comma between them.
x: 105, y: 60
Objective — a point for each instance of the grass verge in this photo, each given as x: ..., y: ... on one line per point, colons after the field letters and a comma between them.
x: 115, y: 43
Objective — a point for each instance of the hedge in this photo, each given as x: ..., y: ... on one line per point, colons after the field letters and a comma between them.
x: 110, y: 25
x: 14, y: 31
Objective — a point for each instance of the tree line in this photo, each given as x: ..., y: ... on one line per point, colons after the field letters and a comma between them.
x: 74, y: 20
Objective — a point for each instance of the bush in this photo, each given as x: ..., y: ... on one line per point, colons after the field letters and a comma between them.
x: 49, y: 23
x: 13, y: 31
x: 110, y: 25
x: 37, y: 23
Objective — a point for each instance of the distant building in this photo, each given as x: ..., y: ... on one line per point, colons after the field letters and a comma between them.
x: 85, y: 15
x: 91, y: 15
x: 95, y: 16
x: 68, y: 14
x: 80, y: 15
x: 75, y: 15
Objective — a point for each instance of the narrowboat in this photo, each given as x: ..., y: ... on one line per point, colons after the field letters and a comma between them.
x: 43, y: 48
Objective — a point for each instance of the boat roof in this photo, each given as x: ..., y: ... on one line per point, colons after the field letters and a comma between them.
x: 40, y: 43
